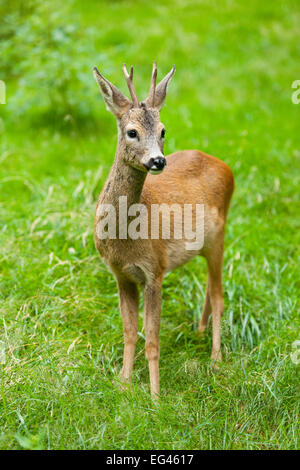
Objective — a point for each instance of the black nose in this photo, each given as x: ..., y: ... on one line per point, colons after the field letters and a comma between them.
x: 159, y: 163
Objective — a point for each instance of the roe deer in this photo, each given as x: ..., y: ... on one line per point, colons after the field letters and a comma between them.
x: 188, y: 177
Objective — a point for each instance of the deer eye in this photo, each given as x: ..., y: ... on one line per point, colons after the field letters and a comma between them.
x: 132, y: 133
x: 163, y: 133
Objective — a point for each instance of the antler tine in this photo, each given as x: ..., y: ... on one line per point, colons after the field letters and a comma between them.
x: 151, y: 96
x: 130, y: 85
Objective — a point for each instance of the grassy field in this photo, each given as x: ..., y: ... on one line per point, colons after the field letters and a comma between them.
x: 60, y: 327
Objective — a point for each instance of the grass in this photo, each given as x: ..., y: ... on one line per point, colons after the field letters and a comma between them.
x: 60, y: 327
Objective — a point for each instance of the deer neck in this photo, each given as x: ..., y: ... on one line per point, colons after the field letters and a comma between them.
x: 123, y: 180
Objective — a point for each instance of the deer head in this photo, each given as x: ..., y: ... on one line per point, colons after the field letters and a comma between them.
x: 140, y: 131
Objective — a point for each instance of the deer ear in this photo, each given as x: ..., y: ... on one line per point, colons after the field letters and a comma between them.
x: 161, y: 89
x: 115, y: 101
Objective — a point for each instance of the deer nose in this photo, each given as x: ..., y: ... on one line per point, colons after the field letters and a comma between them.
x: 156, y: 165
x: 159, y: 163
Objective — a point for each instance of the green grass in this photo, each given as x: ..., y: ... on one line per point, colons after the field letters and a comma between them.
x: 59, y: 319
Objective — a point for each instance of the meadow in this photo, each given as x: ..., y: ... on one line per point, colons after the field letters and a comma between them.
x: 61, y: 333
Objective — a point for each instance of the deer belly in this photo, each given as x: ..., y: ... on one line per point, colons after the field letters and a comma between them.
x: 179, y: 254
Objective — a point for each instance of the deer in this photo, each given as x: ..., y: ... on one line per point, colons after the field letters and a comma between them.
x: 143, y: 174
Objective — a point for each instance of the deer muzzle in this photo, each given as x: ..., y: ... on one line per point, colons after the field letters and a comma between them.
x: 156, y: 165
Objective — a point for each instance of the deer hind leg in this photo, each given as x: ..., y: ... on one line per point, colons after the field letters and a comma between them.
x: 215, y: 264
x: 152, y: 306
x: 129, y: 306
x: 206, y: 310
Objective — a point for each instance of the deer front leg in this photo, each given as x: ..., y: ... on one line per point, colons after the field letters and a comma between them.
x: 152, y: 310
x: 129, y: 305
x: 215, y: 262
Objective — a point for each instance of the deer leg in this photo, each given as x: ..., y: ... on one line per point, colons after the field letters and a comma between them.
x: 129, y: 305
x: 215, y: 263
x: 206, y: 310
x: 152, y: 303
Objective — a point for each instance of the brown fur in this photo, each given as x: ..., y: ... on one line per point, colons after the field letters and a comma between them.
x: 190, y: 177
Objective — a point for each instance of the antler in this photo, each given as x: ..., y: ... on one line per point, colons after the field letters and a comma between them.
x: 130, y: 85
x: 151, y: 97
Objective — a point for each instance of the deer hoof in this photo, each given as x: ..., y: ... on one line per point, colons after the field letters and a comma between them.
x: 201, y: 330
x: 216, y: 358
x: 123, y: 383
